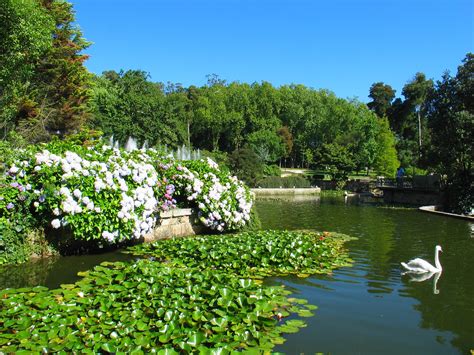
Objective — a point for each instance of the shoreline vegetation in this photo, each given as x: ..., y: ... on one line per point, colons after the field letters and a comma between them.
x: 91, y: 195
x: 188, y: 294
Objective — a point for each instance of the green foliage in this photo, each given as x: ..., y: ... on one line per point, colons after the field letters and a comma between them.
x: 13, y: 247
x: 127, y: 104
x: 284, y: 182
x: 254, y: 223
x: 19, y: 236
x: 19, y: 242
x: 287, y: 138
x: 337, y: 160
x: 417, y: 90
x: 382, y: 96
x: 147, y: 307
x: 25, y: 38
x: 411, y: 171
x: 451, y: 121
x: 246, y: 165
x: 48, y: 86
x: 290, y: 124
x: 253, y: 254
x: 16, y: 218
x: 271, y: 170
x: 387, y: 163
x: 267, y: 144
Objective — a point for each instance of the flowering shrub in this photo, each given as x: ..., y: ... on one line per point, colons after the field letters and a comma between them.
x: 223, y: 201
x: 99, y: 193
x: 109, y: 195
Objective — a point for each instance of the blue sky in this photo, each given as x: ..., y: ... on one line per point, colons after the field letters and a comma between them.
x: 341, y: 45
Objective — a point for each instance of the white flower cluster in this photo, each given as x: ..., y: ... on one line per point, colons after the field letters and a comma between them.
x: 223, y: 202
x: 125, y: 183
x: 112, y: 195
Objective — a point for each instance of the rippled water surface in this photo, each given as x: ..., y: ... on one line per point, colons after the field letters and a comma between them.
x: 371, y: 307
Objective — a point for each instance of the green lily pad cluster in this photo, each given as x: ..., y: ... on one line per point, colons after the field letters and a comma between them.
x: 146, y: 306
x: 254, y: 254
x: 189, y: 295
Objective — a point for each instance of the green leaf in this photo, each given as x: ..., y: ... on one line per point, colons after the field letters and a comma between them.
x: 195, y: 339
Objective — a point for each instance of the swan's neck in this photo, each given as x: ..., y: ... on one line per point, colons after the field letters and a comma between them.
x: 437, y: 263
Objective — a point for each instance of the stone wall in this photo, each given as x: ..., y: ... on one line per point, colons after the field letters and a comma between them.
x: 437, y: 210
x: 350, y: 185
x: 412, y: 196
x: 285, y: 191
x: 179, y: 222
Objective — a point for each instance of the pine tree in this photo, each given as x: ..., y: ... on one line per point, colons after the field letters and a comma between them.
x: 57, y: 103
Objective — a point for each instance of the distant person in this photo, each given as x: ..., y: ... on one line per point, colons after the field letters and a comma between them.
x: 399, y: 176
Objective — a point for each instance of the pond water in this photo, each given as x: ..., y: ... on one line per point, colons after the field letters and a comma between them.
x: 371, y: 307
x: 367, y: 308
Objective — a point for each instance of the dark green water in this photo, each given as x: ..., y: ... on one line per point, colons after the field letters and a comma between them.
x: 371, y: 308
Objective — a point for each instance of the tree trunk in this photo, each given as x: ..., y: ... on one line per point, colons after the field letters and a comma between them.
x: 419, y: 132
x: 189, y: 136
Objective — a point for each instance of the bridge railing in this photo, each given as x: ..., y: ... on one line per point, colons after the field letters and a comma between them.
x: 418, y: 182
x: 404, y: 182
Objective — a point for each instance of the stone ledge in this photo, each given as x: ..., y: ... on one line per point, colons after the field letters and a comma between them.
x: 177, y: 212
x: 287, y: 191
x: 434, y: 209
x: 179, y: 222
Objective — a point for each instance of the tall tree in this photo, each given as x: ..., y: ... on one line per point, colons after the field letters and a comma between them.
x: 61, y: 75
x: 44, y: 60
x: 382, y: 96
x: 25, y: 37
x: 416, y: 92
x: 451, y: 121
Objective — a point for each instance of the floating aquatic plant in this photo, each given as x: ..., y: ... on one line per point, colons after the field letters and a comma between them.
x: 146, y: 306
x: 191, y: 295
x: 261, y: 253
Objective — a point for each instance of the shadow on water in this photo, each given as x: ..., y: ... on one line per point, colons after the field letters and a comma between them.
x: 54, y: 271
x: 371, y: 307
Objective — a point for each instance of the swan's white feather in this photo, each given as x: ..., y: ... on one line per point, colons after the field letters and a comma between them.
x: 419, y: 265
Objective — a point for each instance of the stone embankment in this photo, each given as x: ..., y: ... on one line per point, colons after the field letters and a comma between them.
x: 179, y: 222
x: 435, y: 210
x: 286, y: 191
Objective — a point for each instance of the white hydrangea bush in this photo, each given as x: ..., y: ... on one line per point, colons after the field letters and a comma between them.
x: 109, y: 195
x: 100, y: 193
x: 223, y: 201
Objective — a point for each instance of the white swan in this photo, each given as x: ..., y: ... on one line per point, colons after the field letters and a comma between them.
x: 419, y: 266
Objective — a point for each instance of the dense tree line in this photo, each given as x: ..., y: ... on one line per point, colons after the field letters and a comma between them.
x: 45, y: 90
x: 291, y: 125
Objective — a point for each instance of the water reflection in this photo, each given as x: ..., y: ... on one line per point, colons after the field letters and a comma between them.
x: 371, y: 308
x: 414, y: 277
x: 54, y: 271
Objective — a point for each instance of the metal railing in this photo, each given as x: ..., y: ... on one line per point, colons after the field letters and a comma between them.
x: 403, y: 182
x: 425, y: 183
